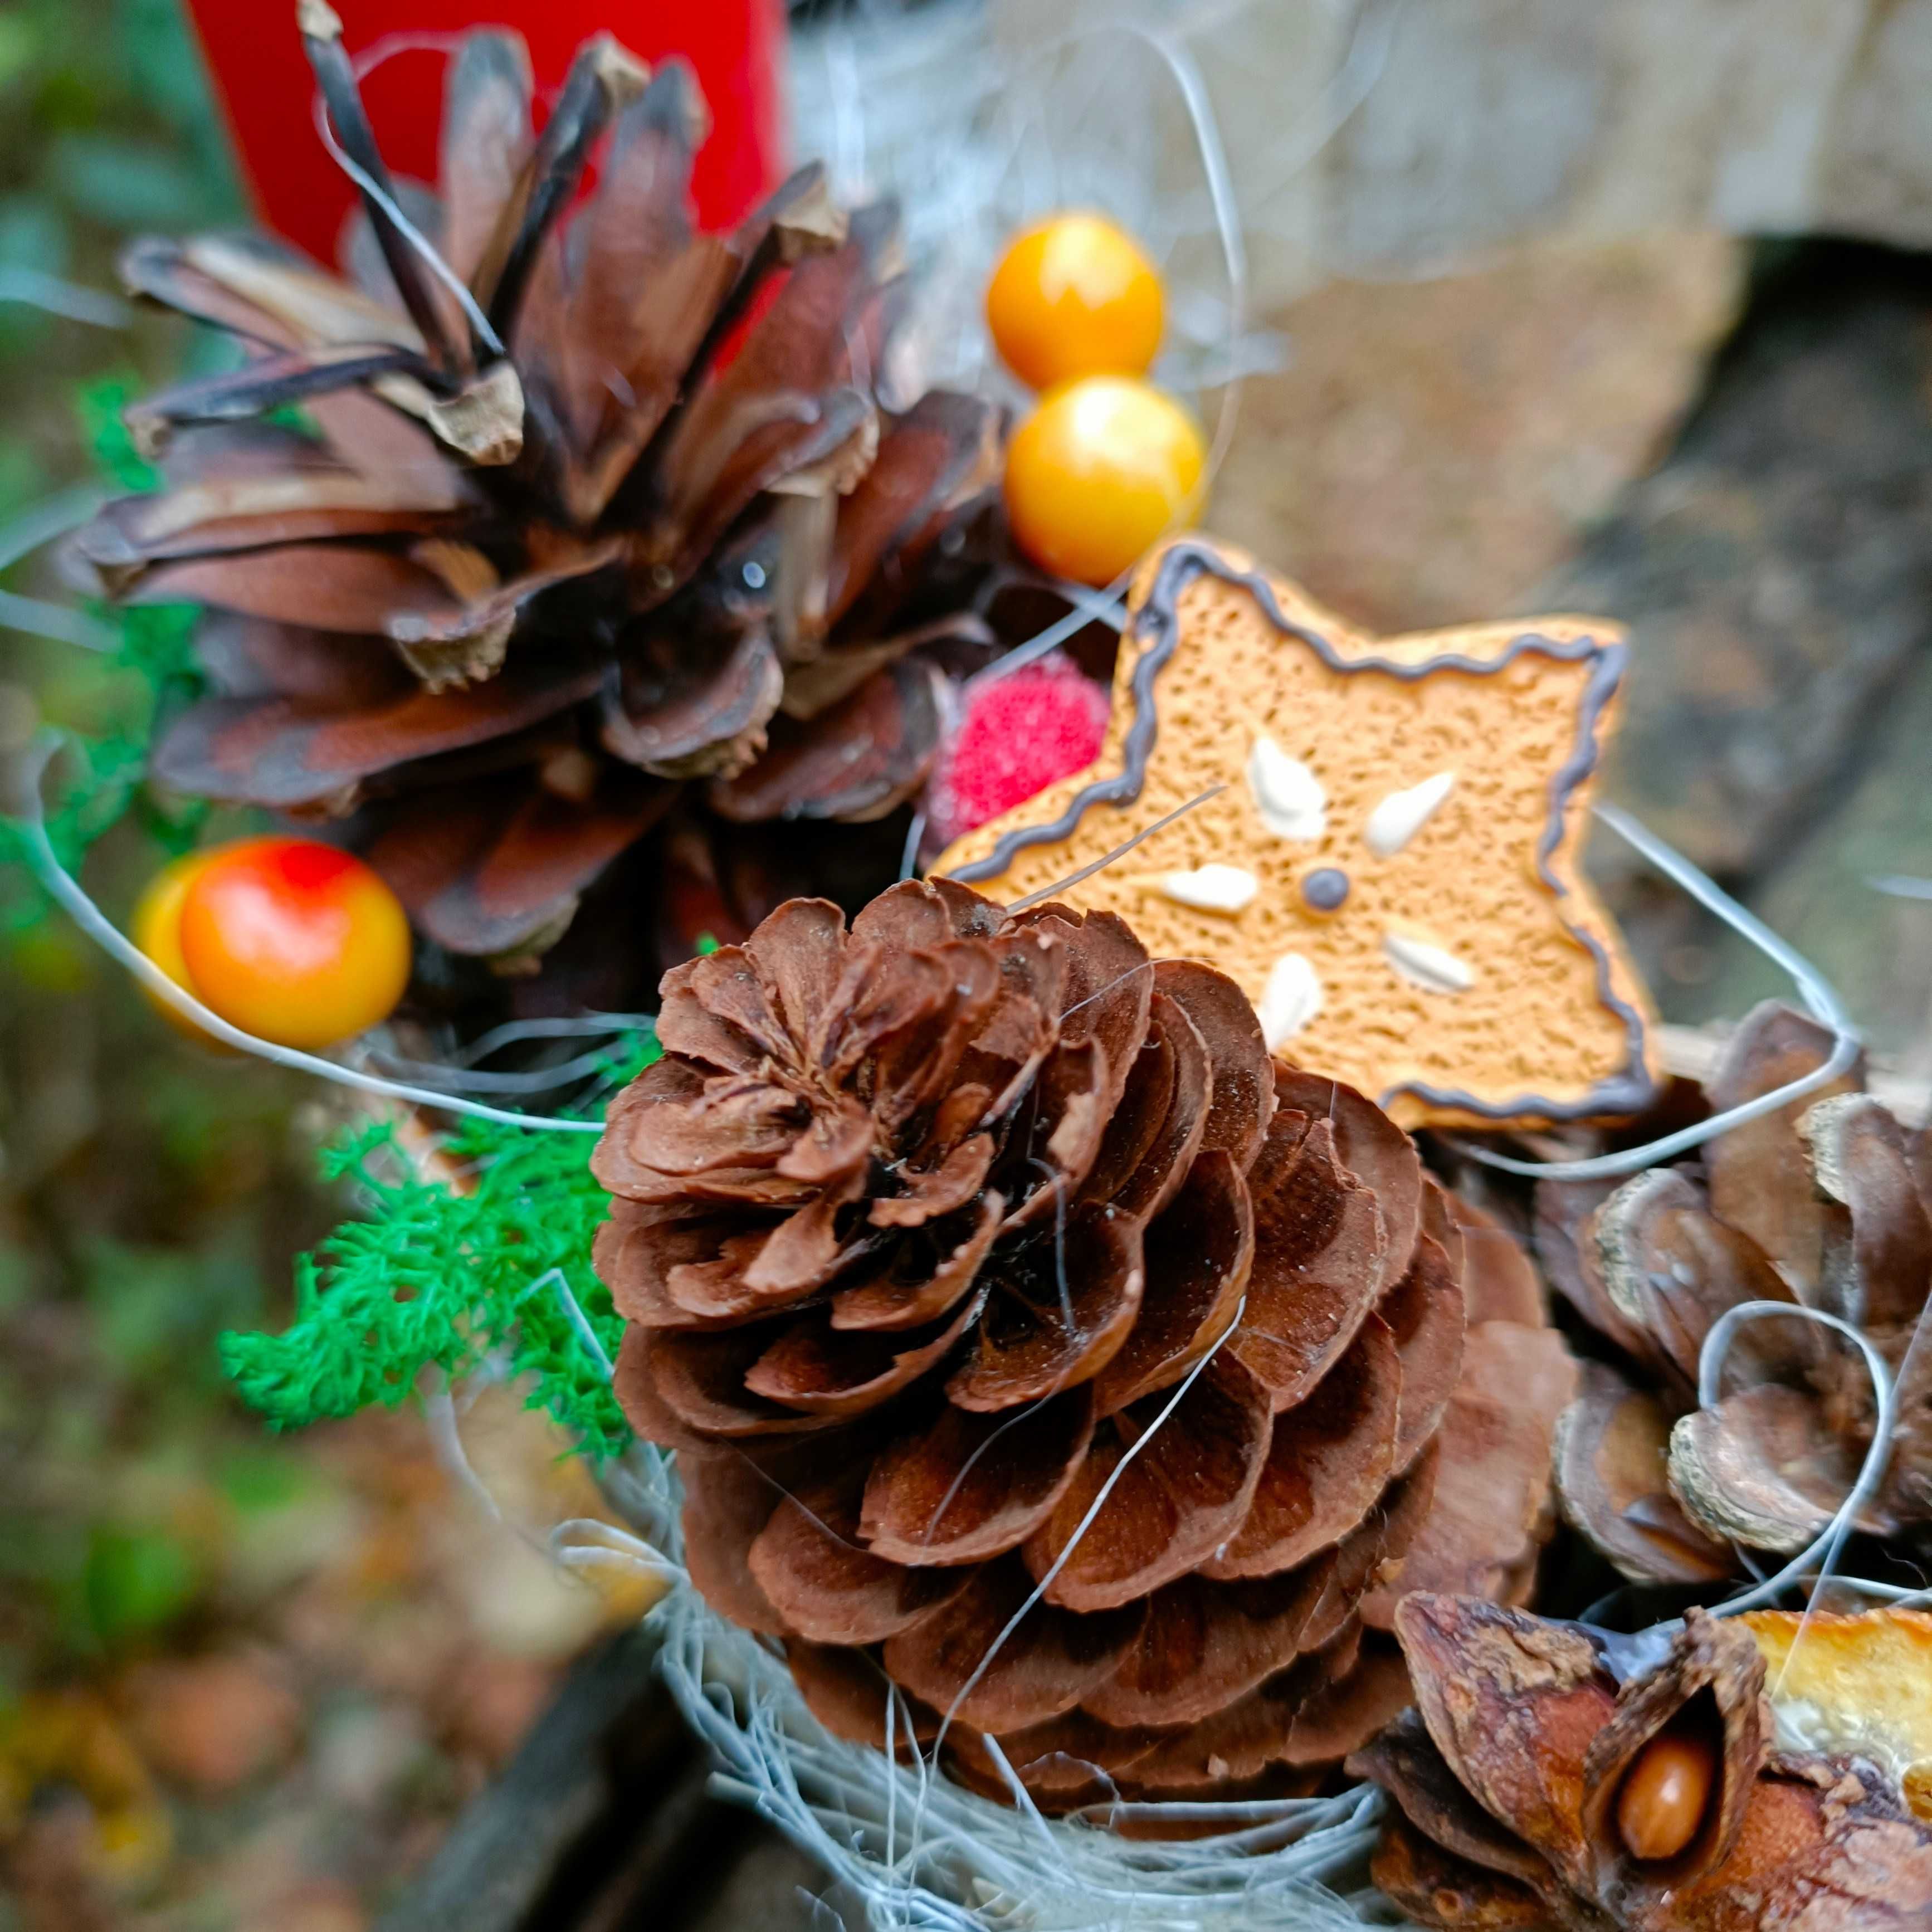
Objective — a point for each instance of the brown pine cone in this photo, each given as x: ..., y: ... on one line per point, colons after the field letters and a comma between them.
x: 971, y: 1258
x: 1825, y: 1201
x: 1557, y: 1779
x: 664, y: 564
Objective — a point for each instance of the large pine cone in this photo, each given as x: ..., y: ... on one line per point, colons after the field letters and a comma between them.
x: 1827, y: 1201
x: 969, y: 1258
x: 503, y: 604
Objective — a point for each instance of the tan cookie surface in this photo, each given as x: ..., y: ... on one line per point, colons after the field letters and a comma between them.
x: 1467, y: 972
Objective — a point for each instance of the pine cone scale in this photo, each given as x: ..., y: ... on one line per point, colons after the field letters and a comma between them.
x: 1426, y: 1314
x: 278, y: 752
x: 1329, y: 1460
x: 1039, y: 1337
x: 1171, y: 1505
x: 927, y: 1288
x: 827, y: 1588
x: 1048, y: 1663
x: 975, y: 1485
x: 813, y: 1368
x: 1321, y: 1249
x: 1241, y: 1092
x: 1199, y: 1250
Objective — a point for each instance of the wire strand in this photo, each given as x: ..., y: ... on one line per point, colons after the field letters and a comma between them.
x: 68, y: 893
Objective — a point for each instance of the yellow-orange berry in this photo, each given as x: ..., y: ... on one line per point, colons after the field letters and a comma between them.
x: 155, y: 928
x: 1098, y: 472
x: 1074, y: 296
x: 293, y: 941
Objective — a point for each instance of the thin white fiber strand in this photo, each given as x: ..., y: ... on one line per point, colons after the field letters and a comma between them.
x: 1089, y: 606
x: 35, y: 288
x: 98, y: 927
x: 978, y: 1862
x: 24, y: 535
x: 432, y: 257
x: 580, y: 1322
x: 1822, y: 1551
x: 1812, y: 989
x: 1143, y: 1440
x: 39, y: 619
x: 1119, y: 851
x: 53, y: 517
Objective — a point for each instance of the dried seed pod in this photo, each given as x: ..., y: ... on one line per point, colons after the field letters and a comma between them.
x: 1510, y: 1775
x: 1705, y: 1696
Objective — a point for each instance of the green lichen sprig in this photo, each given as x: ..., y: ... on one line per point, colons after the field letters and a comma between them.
x: 450, y: 1277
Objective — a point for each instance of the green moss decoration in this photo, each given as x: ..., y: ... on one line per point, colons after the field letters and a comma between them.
x: 437, y: 1277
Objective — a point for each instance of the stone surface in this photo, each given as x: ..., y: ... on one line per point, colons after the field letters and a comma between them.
x: 1390, y: 138
x: 1436, y: 448
x: 1776, y: 570
x: 1874, y: 948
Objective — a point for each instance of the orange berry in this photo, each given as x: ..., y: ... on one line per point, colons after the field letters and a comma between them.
x: 1098, y: 472
x: 1074, y: 296
x: 294, y: 940
x: 155, y: 928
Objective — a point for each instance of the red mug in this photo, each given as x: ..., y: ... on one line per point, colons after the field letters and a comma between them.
x: 262, y: 82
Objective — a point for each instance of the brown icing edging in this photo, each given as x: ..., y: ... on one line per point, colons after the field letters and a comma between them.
x: 1630, y: 1088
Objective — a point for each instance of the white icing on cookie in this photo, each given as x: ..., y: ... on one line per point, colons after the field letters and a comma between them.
x: 1402, y: 814
x: 1287, y: 794
x: 1291, y: 998
x: 1432, y: 968
x: 1210, y: 888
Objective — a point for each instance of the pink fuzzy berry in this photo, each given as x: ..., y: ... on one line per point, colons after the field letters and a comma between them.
x: 1016, y: 734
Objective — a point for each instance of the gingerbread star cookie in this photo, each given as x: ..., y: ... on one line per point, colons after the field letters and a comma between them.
x: 1390, y: 869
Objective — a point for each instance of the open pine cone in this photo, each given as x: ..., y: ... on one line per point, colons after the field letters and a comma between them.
x: 1030, y: 1339
x: 1512, y: 1780
x: 504, y: 602
x: 1828, y: 1202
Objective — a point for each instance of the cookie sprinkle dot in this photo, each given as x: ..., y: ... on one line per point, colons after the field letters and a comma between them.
x: 1324, y: 889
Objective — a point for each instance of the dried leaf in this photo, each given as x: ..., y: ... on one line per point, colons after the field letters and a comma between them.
x: 1710, y: 1684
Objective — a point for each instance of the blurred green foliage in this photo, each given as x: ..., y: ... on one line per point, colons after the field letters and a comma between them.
x: 151, y: 1194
